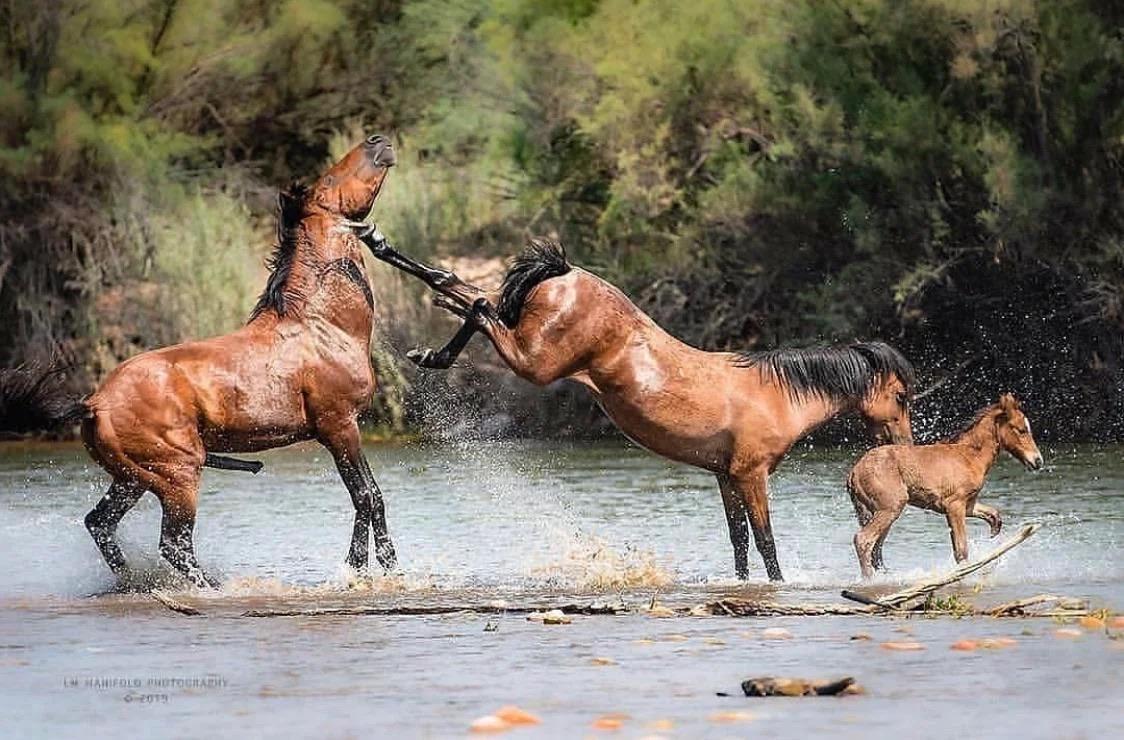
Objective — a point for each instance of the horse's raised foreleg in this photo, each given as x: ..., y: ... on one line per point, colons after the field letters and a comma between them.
x: 444, y: 358
x: 989, y: 515
x: 737, y: 523
x: 103, y: 519
x: 370, y: 512
x: 441, y: 280
x: 752, y: 486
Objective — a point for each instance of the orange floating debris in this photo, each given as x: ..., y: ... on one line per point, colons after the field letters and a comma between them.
x: 903, y: 646
x: 1117, y: 622
x: 661, y: 725
x: 1068, y: 632
x: 1091, y: 623
x: 608, y: 722
x: 602, y: 661
x: 513, y: 715
x: 965, y: 645
x: 489, y: 723
x: 727, y: 718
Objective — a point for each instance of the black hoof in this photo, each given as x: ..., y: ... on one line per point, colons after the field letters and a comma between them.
x: 420, y: 356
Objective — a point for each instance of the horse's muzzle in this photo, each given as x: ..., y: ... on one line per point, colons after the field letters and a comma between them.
x: 382, y: 152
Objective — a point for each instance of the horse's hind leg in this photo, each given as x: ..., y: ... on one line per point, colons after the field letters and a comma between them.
x: 872, y: 533
x: 103, y: 519
x: 370, y: 512
x: 179, y: 498
x: 738, y: 525
x: 752, y: 487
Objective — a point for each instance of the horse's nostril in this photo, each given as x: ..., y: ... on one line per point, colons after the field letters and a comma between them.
x: 375, y: 139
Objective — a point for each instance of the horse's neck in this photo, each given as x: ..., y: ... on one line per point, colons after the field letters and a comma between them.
x: 813, y: 410
x: 982, y: 441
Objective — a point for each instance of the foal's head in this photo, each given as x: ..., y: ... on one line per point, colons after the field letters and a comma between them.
x: 350, y: 186
x: 1013, y: 429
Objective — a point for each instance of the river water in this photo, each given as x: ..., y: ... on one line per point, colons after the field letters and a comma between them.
x: 520, y: 523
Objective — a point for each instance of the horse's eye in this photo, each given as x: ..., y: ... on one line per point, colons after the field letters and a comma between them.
x: 903, y: 399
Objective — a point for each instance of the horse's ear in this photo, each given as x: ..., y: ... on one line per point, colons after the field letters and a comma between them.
x: 1008, y: 404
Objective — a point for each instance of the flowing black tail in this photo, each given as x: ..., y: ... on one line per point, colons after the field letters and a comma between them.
x: 35, y: 399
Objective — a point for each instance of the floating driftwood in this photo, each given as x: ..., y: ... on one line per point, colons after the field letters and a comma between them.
x: 174, y: 605
x: 415, y: 611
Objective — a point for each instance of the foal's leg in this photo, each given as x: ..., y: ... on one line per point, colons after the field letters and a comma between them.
x: 958, y: 530
x: 370, y: 512
x: 874, y: 532
x: 736, y: 521
x: 989, y: 515
x: 103, y: 519
x: 752, y: 487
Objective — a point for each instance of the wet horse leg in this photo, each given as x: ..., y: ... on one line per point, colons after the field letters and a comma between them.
x: 872, y: 534
x: 179, y: 498
x: 989, y: 515
x: 957, y: 529
x: 370, y: 512
x: 444, y: 358
x: 737, y: 523
x: 438, y: 279
x: 103, y: 519
x: 752, y: 486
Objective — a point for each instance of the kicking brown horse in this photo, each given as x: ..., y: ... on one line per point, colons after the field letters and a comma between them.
x: 735, y: 415
x: 945, y: 477
x: 300, y: 369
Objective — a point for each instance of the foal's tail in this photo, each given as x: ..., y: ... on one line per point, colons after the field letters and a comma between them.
x: 543, y: 259
x: 35, y: 399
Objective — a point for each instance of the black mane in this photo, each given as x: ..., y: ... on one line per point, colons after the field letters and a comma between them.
x: 290, y: 209
x: 839, y: 373
x: 543, y: 259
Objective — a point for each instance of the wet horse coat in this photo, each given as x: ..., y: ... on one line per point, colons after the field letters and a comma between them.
x: 300, y: 369
x: 735, y: 415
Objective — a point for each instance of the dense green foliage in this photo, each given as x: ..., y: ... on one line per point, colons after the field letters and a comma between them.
x: 944, y: 173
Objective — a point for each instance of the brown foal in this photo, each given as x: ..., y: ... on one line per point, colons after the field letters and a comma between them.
x: 300, y: 369
x: 735, y: 415
x: 945, y: 477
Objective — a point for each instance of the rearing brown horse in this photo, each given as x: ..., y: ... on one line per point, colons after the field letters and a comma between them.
x: 300, y: 369
x: 735, y: 415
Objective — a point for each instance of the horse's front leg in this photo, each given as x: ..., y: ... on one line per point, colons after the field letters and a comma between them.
x: 443, y: 281
x: 370, y: 513
x: 989, y: 515
x: 444, y: 358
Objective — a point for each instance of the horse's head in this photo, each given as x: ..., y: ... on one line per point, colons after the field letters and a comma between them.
x: 885, y: 409
x: 1013, y: 429
x: 350, y: 186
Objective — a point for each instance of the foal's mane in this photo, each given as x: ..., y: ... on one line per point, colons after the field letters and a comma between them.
x: 971, y: 425
x: 290, y: 208
x: 847, y: 372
